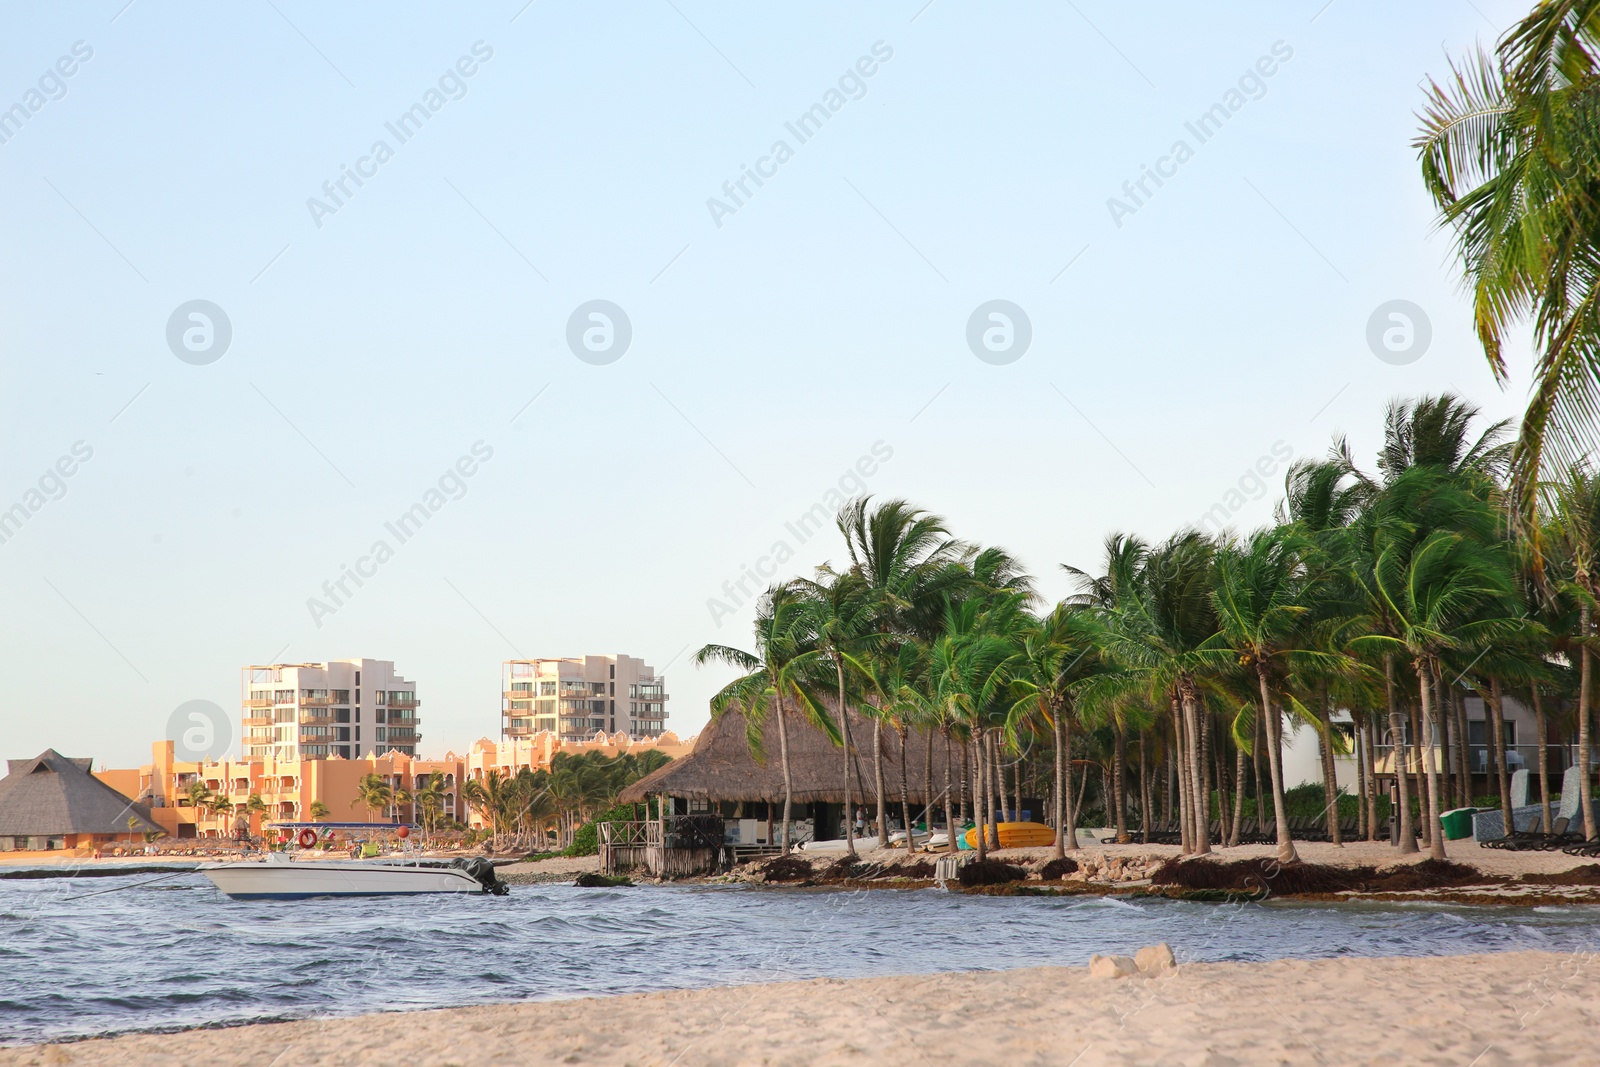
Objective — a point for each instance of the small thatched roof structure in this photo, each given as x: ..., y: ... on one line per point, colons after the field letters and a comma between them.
x: 51, y: 795
x: 722, y: 768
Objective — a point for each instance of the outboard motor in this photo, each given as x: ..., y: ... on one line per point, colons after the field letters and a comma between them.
x: 483, y: 870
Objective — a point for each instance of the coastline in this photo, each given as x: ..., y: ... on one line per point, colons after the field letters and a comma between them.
x: 1489, y: 1010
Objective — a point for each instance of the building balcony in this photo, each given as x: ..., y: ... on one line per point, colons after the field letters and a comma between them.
x: 402, y: 737
x: 316, y: 718
x: 407, y: 701
x: 258, y: 720
x: 258, y: 702
x: 519, y: 694
x: 316, y: 702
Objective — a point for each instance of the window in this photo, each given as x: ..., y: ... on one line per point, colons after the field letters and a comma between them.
x: 379, y: 715
x: 383, y: 733
x: 547, y: 689
x: 358, y: 681
x: 358, y: 691
x: 613, y: 670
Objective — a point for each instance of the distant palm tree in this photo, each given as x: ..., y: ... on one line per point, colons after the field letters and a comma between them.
x: 772, y: 678
x: 319, y: 810
x: 374, y: 793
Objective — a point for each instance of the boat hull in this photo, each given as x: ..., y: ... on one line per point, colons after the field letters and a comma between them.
x: 335, y: 878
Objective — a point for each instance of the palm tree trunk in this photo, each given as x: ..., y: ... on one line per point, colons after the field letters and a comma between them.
x: 1286, y: 852
x: 1144, y: 790
x: 1458, y: 706
x: 927, y: 782
x: 1445, y: 753
x: 997, y: 790
x: 1330, y: 783
x: 905, y: 793
x: 1017, y: 770
x: 1185, y: 792
x: 1423, y: 780
x: 1435, y: 828
x: 1204, y: 716
x: 1497, y: 713
x: 788, y: 775
x: 1237, y: 828
x: 1199, y: 806
x: 1585, y: 790
x: 1119, y: 778
x: 1058, y: 728
x: 877, y: 772
x: 949, y: 799
x: 980, y: 794
x: 1544, y: 759
x: 844, y: 735
x: 1363, y: 753
x: 964, y: 801
x: 1397, y: 750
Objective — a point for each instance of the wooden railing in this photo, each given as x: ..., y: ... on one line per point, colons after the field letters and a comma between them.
x: 673, y: 847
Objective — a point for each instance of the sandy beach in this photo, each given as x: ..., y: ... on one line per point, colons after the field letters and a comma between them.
x: 1487, y: 1011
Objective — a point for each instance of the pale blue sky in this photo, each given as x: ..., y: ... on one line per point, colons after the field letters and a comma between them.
x: 1227, y: 315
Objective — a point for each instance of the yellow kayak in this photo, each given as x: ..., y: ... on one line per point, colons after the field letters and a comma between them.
x: 1018, y: 835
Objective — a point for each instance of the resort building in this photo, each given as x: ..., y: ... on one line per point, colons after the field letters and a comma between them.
x: 1521, y: 742
x: 348, y: 708
x: 296, y: 790
x: 52, y: 802
x: 579, y: 697
x: 535, y: 753
x: 287, y: 790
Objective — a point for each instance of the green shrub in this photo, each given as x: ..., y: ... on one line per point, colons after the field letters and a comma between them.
x: 586, y: 839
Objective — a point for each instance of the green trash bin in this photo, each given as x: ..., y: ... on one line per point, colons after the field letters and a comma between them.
x: 1457, y: 823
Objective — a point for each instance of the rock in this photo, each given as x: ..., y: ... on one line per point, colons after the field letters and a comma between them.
x: 1155, y: 960
x: 1112, y: 967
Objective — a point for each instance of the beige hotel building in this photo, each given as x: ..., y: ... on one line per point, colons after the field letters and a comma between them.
x: 350, y: 708
x: 576, y: 698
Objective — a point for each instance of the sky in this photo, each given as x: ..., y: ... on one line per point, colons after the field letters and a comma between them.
x: 228, y: 367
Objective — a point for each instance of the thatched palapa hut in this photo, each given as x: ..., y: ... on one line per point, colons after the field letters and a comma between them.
x: 722, y: 777
x: 53, y: 802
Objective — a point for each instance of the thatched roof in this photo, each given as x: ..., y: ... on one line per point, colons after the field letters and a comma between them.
x: 722, y: 768
x: 53, y: 795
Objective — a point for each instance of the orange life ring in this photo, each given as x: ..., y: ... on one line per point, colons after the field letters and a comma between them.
x: 307, y: 838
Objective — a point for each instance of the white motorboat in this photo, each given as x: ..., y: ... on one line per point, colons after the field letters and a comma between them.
x: 278, y: 877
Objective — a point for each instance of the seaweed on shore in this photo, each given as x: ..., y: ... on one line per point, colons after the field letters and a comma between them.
x: 989, y: 872
x: 1429, y: 874
x: 591, y: 880
x: 1269, y: 878
x: 922, y: 870
x: 1261, y: 876
x: 1056, y: 870
x: 786, y: 869
x: 1588, y: 874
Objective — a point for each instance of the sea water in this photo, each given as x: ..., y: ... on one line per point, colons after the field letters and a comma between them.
x: 177, y: 953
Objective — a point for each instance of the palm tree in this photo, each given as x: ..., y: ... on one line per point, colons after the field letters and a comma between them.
x: 773, y: 675
x: 1263, y: 597
x: 319, y: 810
x: 838, y: 611
x: 374, y: 793
x: 1446, y: 591
x: 430, y: 800
x: 1575, y: 535
x: 1511, y: 156
x: 1159, y: 617
x: 1056, y: 658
